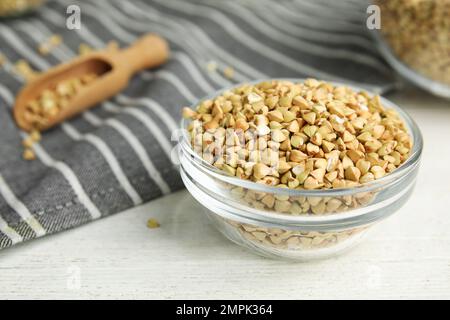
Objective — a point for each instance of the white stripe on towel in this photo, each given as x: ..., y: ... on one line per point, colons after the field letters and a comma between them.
x: 6, y: 95
x: 175, y: 81
x: 108, y: 155
x: 134, y: 143
x: 148, y: 122
x: 152, y: 105
x: 70, y: 177
x: 22, y: 48
x: 316, y: 8
x: 10, y: 232
x: 20, y: 208
x: 142, y: 154
x: 186, y: 61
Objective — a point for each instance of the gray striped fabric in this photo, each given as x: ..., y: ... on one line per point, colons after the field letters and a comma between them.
x: 117, y: 155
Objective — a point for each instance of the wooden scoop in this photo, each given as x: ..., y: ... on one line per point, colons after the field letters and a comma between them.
x: 113, y: 68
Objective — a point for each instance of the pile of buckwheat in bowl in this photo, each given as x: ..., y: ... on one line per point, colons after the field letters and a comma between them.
x: 415, y: 39
x: 298, y: 169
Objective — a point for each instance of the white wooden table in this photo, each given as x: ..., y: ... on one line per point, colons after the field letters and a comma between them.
x: 119, y: 257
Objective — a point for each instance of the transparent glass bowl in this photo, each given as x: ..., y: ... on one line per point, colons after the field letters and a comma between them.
x: 303, y: 224
x: 415, y: 40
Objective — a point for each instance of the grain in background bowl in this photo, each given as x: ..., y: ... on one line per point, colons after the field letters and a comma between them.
x: 415, y: 40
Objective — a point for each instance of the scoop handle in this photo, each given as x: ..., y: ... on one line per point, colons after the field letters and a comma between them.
x: 147, y: 52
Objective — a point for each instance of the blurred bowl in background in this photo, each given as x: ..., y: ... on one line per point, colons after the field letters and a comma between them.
x: 415, y: 40
x: 15, y: 8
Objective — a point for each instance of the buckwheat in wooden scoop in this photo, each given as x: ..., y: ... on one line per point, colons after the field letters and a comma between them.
x: 66, y: 90
x: 311, y: 135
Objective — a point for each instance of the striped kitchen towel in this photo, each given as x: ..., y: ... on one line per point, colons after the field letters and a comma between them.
x: 117, y: 155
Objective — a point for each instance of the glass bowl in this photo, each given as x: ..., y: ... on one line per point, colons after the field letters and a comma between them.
x: 415, y: 40
x: 296, y: 224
